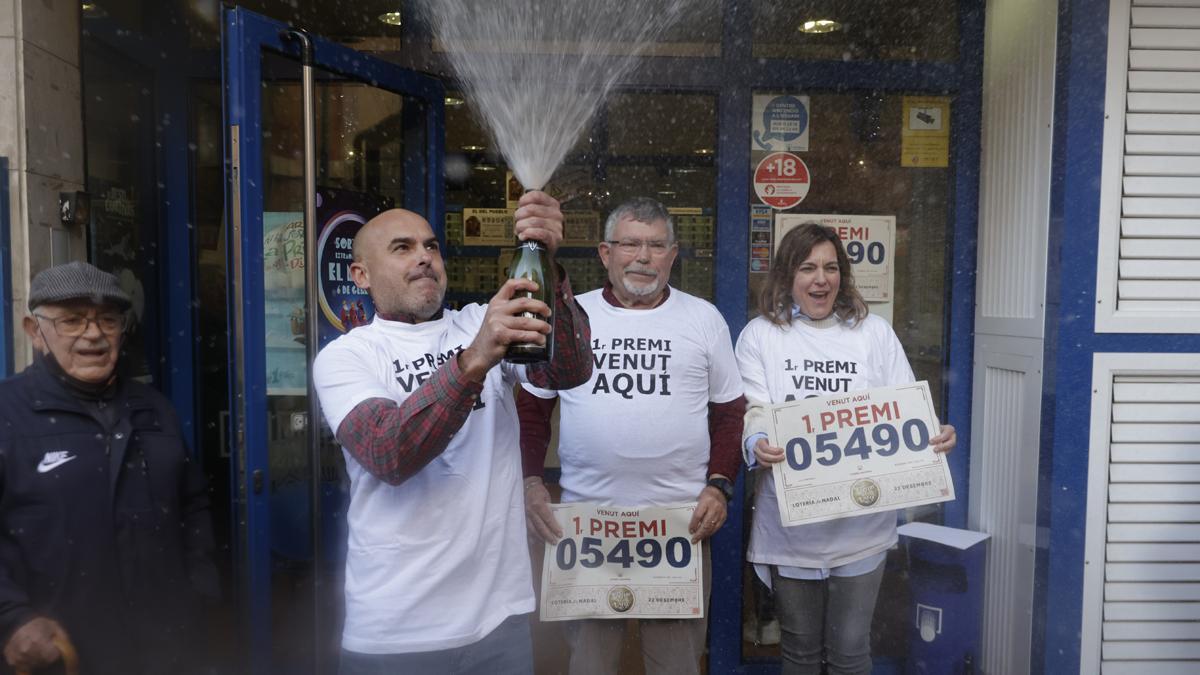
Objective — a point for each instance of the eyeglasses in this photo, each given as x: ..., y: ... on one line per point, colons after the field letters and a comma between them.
x: 657, y: 247
x: 74, y: 325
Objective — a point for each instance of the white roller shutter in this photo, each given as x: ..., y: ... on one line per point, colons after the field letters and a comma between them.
x: 1142, y: 562
x: 1148, y: 273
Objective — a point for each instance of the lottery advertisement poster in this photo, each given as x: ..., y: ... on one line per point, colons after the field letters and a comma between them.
x: 858, y: 453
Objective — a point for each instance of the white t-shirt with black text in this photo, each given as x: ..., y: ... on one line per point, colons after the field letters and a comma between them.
x: 439, y: 561
x: 797, y: 361
x: 636, y: 434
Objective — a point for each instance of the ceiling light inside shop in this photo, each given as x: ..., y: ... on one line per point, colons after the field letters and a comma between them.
x: 820, y: 26
x: 703, y: 151
x: 474, y: 148
x: 391, y: 18
x: 93, y: 11
x: 453, y: 101
x: 484, y: 167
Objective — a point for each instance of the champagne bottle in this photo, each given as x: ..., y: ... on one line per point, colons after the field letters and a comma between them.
x: 532, y: 261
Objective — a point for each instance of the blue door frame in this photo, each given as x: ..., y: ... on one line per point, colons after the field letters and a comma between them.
x: 245, y: 36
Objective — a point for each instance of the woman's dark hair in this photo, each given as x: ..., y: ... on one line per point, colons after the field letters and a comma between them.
x: 775, y: 299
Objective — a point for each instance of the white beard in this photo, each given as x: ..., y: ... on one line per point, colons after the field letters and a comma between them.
x: 640, y: 290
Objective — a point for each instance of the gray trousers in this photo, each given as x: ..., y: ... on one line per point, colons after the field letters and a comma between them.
x: 507, y: 650
x: 828, y: 619
x: 669, y: 646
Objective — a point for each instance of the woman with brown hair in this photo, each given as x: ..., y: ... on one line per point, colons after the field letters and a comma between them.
x: 816, y: 337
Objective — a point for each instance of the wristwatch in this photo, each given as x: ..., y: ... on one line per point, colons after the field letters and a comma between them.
x: 724, y: 485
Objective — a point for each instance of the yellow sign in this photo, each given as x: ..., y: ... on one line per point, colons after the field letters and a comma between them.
x: 925, y: 133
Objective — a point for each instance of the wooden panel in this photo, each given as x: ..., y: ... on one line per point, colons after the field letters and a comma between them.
x: 1165, y: 433
x: 1153, y: 572
x: 1164, y: 38
x: 1183, y: 228
x: 1161, y: 17
x: 1161, y: 59
x: 1169, y: 307
x: 1166, y: 207
x: 1182, y: 533
x: 1145, y: 102
x: 1147, y: 472
x: 1158, y: 290
x: 1163, y: 165
x: 1162, y: 186
x: 1151, y: 630
x: 1152, y: 123
x: 1145, y: 411
x: 1154, y: 493
x: 1152, y: 611
x: 1149, y: 667
x: 1154, y: 513
x: 1165, y: 81
x: 1159, y: 269
x: 1161, y: 249
x: 1152, y: 650
x: 1154, y: 452
x: 1153, y: 552
x: 1162, y: 144
x: 1120, y: 591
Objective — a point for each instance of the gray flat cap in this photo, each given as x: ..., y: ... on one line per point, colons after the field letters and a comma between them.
x: 76, y: 281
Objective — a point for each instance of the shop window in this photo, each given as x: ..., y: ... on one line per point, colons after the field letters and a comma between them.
x: 924, y: 30
x: 648, y: 144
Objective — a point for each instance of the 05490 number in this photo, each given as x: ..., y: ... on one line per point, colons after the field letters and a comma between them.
x: 913, y: 434
x: 646, y: 553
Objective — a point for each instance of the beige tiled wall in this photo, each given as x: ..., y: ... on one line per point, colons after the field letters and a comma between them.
x: 41, y: 134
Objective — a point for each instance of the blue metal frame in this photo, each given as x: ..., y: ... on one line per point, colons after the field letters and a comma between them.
x: 742, y: 74
x: 6, y: 327
x: 245, y: 36
x: 1071, y: 340
x: 967, y: 122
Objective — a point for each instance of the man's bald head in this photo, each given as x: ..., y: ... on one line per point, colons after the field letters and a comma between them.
x: 371, y: 233
x: 398, y: 260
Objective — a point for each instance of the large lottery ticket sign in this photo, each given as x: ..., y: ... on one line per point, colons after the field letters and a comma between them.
x: 858, y: 453
x: 614, y: 563
x: 781, y: 180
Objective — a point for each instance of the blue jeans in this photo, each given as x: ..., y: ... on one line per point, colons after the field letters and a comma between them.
x: 827, y: 619
x: 507, y: 650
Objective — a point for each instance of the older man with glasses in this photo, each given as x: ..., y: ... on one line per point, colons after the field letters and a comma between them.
x: 658, y: 423
x: 105, y: 533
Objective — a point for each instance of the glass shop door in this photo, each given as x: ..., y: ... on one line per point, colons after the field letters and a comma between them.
x: 375, y: 141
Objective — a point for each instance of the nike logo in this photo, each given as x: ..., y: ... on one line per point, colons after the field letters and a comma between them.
x: 54, y: 459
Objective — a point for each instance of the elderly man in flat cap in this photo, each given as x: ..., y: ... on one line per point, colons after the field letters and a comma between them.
x: 105, y: 533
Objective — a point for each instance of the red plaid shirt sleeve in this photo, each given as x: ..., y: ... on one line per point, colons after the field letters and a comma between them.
x: 534, y: 413
x: 572, y: 362
x: 393, y: 442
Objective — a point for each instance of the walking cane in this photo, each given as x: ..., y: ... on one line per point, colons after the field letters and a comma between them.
x: 66, y: 650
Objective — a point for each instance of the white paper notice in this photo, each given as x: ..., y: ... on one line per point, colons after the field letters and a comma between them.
x: 616, y: 562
